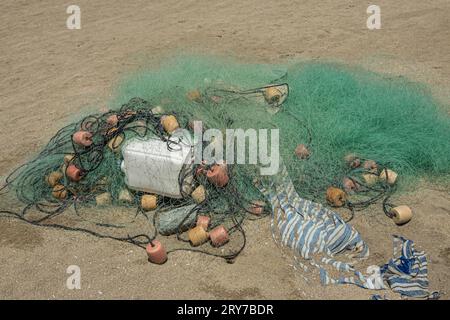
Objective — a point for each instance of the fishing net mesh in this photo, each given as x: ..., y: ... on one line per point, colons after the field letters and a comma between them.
x: 333, y: 110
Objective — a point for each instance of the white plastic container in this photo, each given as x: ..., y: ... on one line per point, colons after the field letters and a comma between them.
x: 151, y: 166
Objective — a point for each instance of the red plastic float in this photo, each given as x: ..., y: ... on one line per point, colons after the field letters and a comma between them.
x: 74, y: 173
x: 219, y: 236
x: 218, y: 175
x: 82, y: 138
x: 156, y: 252
x: 203, y: 221
x: 112, y: 120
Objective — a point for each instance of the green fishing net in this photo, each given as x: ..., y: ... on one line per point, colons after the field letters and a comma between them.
x: 333, y: 110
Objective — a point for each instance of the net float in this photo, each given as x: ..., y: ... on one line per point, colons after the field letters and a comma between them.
x: 350, y: 185
x: 302, y: 152
x: 59, y: 192
x: 156, y: 252
x: 114, y: 143
x: 54, y: 177
x: 112, y: 120
x: 149, y: 202
x: 336, y: 197
x: 218, y: 175
x: 370, y: 166
x: 169, y: 123
x: 199, y: 194
x: 370, y: 178
x: 218, y: 236
x: 401, y: 214
x: 197, y: 236
x: 272, y: 95
x: 194, y: 95
x: 203, y: 221
x: 68, y: 158
x: 352, y: 161
x: 389, y: 176
x: 125, y: 196
x: 256, y: 207
x: 74, y: 173
x: 103, y: 199
x: 82, y: 138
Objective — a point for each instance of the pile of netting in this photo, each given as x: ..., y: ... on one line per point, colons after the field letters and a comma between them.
x: 347, y: 137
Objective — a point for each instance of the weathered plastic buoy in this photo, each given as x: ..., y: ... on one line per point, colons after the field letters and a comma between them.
x: 370, y: 166
x: 114, y: 143
x: 82, y: 138
x: 149, y: 202
x: 218, y: 175
x: 302, y: 152
x: 194, y: 95
x: 203, y: 221
x: 103, y: 199
x: 59, y: 192
x: 352, y: 160
x: 349, y: 185
x: 272, y: 95
x: 156, y: 252
x: 336, y: 197
x: 401, y: 214
x: 370, y: 178
x: 218, y: 236
x: 389, y: 176
x: 197, y: 236
x: 169, y: 123
x: 256, y: 207
x: 112, y: 120
x: 199, y: 194
x: 74, y: 173
x: 125, y: 196
x: 54, y: 177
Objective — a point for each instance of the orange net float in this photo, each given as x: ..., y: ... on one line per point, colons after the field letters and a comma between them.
x: 336, y: 197
x: 199, y: 194
x: 74, y: 173
x: 256, y: 207
x: 169, y: 123
x: 219, y: 236
x: 112, y: 120
x: 350, y: 185
x: 302, y: 152
x: 272, y: 95
x: 370, y: 166
x: 54, y: 178
x: 197, y: 236
x: 218, y: 175
x: 203, y: 221
x: 156, y: 252
x: 59, y: 192
x: 388, y: 176
x: 401, y: 214
x: 82, y: 138
x: 149, y: 202
x: 352, y: 161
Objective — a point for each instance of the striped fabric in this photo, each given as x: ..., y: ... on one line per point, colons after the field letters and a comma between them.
x: 314, y: 232
x: 407, y: 272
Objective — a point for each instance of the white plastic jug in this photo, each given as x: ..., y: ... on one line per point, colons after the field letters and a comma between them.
x: 154, y: 166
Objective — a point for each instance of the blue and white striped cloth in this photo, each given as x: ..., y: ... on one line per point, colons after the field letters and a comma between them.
x: 314, y: 231
x: 407, y: 272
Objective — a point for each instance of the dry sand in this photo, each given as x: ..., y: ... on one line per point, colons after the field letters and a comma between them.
x: 49, y: 74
